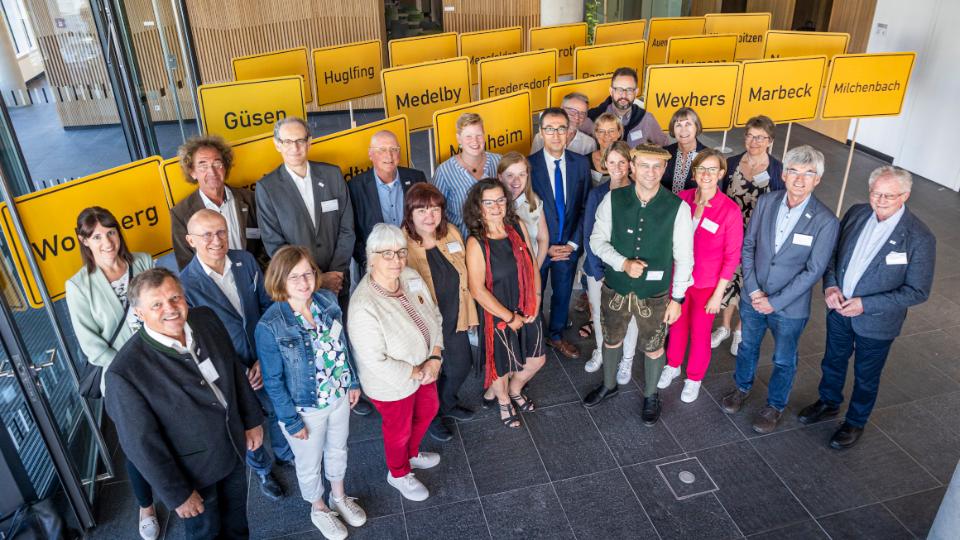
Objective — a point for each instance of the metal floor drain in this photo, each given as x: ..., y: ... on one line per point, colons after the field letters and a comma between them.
x: 687, y: 478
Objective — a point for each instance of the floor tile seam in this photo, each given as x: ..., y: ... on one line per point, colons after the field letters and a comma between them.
x: 908, y: 454
x: 784, y: 483
x: 642, y: 507
x: 566, y: 517
x: 902, y: 524
x: 786, y: 526
x: 473, y: 479
x: 945, y: 376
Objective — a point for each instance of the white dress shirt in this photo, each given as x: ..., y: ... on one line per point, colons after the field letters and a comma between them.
x: 191, y: 349
x: 551, y: 170
x: 229, y: 212
x: 874, y: 235
x: 226, y: 283
x: 305, y: 187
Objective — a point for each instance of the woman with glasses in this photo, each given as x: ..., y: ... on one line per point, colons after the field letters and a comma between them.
x: 305, y: 361
x: 717, y: 239
x: 607, y: 129
x: 506, y: 284
x: 514, y: 172
x: 685, y: 127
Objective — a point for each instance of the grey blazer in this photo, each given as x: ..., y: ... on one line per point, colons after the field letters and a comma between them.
x: 787, y: 276
x: 285, y: 220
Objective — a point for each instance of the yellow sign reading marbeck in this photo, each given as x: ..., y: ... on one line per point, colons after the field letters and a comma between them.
x: 419, y: 90
x: 663, y: 28
x: 784, y: 44
x: 750, y: 29
x: 619, y: 31
x: 418, y: 49
x: 862, y: 85
x: 710, y: 49
x: 346, y: 72
x: 506, y: 122
x: 597, y: 60
x: 786, y: 89
x: 596, y: 89
x: 534, y: 71
x: 132, y: 193
x: 348, y: 149
x: 489, y: 44
x: 242, y: 109
x: 710, y: 89
x: 274, y: 64
x: 565, y: 38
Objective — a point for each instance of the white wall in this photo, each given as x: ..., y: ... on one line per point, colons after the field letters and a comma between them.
x: 553, y: 12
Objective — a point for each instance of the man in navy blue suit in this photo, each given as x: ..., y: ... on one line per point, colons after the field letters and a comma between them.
x: 883, y: 264
x: 561, y: 179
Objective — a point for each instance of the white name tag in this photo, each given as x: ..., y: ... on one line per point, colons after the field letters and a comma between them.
x: 416, y: 285
x: 762, y: 179
x: 709, y: 225
x: 330, y: 206
x: 253, y: 233
x: 802, y: 239
x: 655, y: 275
x: 335, y: 329
x: 208, y: 371
x: 454, y: 247
x: 636, y: 134
x: 897, y: 257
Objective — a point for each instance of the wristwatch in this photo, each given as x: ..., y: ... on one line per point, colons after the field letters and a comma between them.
x: 678, y: 300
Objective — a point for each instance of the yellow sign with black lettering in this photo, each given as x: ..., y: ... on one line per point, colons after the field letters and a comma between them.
x: 750, y: 29
x: 349, y: 149
x: 419, y: 90
x: 487, y: 44
x: 237, y: 110
x: 709, y: 49
x: 595, y: 60
x: 345, y: 72
x: 534, y: 71
x: 419, y: 49
x: 785, y: 44
x: 596, y: 89
x: 565, y: 38
x: 710, y: 89
x: 861, y: 85
x: 615, y: 32
x: 784, y: 89
x: 274, y: 64
x: 506, y: 123
x: 663, y: 28
x: 132, y: 193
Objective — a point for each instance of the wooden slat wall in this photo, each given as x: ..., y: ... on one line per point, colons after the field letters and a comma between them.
x: 702, y: 7
x: 473, y: 15
x: 781, y: 12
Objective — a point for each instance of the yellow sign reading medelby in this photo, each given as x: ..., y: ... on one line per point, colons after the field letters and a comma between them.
x: 565, y: 38
x: 419, y: 90
x: 348, y: 149
x: 489, y: 44
x: 596, y: 89
x: 345, y: 72
x: 419, y: 49
x: 663, y: 28
x: 274, y: 64
x: 133, y: 194
x: 242, y: 109
x: 710, y: 49
x: 534, y: 71
x: 506, y: 122
x: 863, y: 85
x: 597, y: 60
x: 785, y: 89
x: 750, y: 29
x: 784, y: 44
x: 615, y: 32
x: 710, y: 89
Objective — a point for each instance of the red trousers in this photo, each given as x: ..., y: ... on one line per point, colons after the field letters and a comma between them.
x: 405, y: 422
x: 694, y: 325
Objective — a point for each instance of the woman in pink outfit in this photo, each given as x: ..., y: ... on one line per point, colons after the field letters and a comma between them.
x: 717, y: 240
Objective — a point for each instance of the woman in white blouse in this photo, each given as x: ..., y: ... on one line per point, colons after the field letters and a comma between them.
x: 514, y: 172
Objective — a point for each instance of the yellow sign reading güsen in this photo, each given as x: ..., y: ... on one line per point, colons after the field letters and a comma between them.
x: 750, y: 29
x: 596, y: 89
x: 784, y: 89
x: 595, y: 60
x: 784, y: 44
x: 619, y: 31
x: 345, y: 72
x: 863, y: 85
x: 663, y: 28
x: 534, y: 71
x: 487, y: 44
x: 132, y: 193
x: 565, y: 38
x: 419, y: 90
x: 709, y: 49
x: 710, y: 89
x: 349, y: 149
x: 418, y: 49
x: 242, y: 109
x: 506, y: 123
x: 274, y: 64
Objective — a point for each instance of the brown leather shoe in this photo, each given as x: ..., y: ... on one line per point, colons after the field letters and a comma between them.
x: 564, y: 347
x: 732, y: 402
x: 766, y: 420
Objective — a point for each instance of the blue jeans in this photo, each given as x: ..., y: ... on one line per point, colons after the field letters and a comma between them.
x: 260, y: 460
x: 561, y: 274
x: 786, y: 334
x: 224, y: 510
x: 871, y: 355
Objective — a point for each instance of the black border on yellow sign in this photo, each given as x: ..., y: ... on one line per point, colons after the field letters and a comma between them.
x: 766, y: 40
x: 650, y: 24
x: 833, y: 64
x: 643, y: 64
x: 736, y: 90
x: 671, y: 39
x: 743, y: 74
x: 620, y: 23
x: 487, y: 61
x: 457, y: 108
x: 586, y: 34
x: 202, y: 87
x: 378, y: 123
x: 575, y: 82
x: 316, y: 82
x: 233, y: 63
x: 383, y: 80
x: 456, y: 42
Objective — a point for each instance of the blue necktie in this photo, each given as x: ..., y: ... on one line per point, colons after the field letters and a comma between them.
x: 558, y: 196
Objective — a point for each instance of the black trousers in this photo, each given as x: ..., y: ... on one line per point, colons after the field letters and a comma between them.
x: 457, y: 360
x: 224, y: 514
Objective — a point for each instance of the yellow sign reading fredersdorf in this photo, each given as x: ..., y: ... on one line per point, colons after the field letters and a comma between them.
x: 710, y: 89
x: 596, y: 89
x: 237, y: 110
x: 750, y: 29
x: 663, y: 28
x: 274, y: 64
x: 595, y: 60
x: 863, y: 85
x: 132, y: 193
x: 784, y: 44
x: 785, y: 89
x: 619, y: 31
x: 506, y: 123
x: 565, y: 38
x: 345, y: 72
x: 534, y: 71
x: 419, y: 49
x: 419, y: 90
x: 489, y: 44
x: 709, y: 49
x: 348, y: 149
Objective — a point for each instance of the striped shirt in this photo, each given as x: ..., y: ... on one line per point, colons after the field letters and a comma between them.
x: 454, y: 182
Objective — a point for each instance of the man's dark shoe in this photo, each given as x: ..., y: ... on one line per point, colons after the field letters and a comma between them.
x: 269, y: 487
x: 462, y: 414
x: 732, y: 402
x: 564, y: 347
x: 766, y: 420
x: 599, y: 394
x: 439, y: 431
x: 845, y: 437
x: 816, y: 412
x: 363, y: 407
x: 651, y: 410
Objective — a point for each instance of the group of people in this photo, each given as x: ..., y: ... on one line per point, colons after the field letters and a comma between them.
x: 261, y: 325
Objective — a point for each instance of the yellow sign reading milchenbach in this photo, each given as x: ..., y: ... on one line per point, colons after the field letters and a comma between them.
x: 619, y: 31
x: 595, y: 60
x: 419, y: 90
x: 345, y: 72
x: 596, y: 89
x: 710, y: 89
x: 862, y: 85
x: 237, y: 110
x: 663, y: 28
x: 710, y: 49
x: 132, y: 193
x: 750, y: 29
x: 565, y: 38
x: 419, y: 49
x: 489, y: 44
x: 784, y: 89
x: 534, y: 71
x: 348, y: 149
x: 274, y: 64
x: 506, y: 123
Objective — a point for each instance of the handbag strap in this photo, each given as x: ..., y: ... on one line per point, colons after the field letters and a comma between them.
x: 126, y: 306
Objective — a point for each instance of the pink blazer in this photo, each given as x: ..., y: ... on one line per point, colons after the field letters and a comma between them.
x: 717, y: 239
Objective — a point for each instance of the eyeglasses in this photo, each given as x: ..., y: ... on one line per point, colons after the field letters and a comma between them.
x: 712, y: 171
x: 390, y: 254
x: 807, y: 175
x: 607, y: 132
x: 207, y: 237
x: 306, y: 276
x: 386, y: 149
x: 293, y: 142
x: 756, y: 138
x: 685, y: 124
x: 620, y: 90
x: 488, y: 203
x: 574, y: 112
x: 205, y: 166
x: 885, y: 196
x: 550, y: 130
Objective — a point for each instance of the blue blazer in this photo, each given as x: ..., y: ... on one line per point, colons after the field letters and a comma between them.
x: 577, y: 180
x: 886, y: 290
x: 201, y: 290
x: 787, y: 276
x: 774, y: 169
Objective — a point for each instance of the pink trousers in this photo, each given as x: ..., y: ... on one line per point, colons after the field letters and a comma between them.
x: 694, y: 325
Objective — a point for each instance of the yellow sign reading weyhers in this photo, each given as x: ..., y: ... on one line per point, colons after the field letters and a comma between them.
x: 785, y: 89
x: 663, y: 28
x: 862, y: 85
x: 710, y: 89
x: 534, y: 71
x: 489, y: 44
x: 619, y: 31
x: 419, y: 90
x: 506, y: 122
x: 709, y: 49
x: 784, y: 44
x: 565, y: 38
x: 348, y: 149
x: 596, y: 89
x: 595, y: 60
x: 274, y: 64
x: 132, y: 193
x: 237, y: 110
x: 418, y: 49
x: 750, y: 29
x: 345, y: 72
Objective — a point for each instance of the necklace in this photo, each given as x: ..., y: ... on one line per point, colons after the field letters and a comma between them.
x: 472, y: 168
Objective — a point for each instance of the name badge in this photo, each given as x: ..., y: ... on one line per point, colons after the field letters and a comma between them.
x: 253, y: 233
x: 654, y: 275
x: 416, y: 285
x: 897, y: 257
x: 636, y: 134
x: 208, y: 371
x: 335, y: 329
x: 454, y: 247
x: 761, y: 180
x: 709, y: 225
x: 802, y: 239
x: 330, y: 206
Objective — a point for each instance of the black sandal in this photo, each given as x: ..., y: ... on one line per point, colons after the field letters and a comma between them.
x: 527, y: 406
x: 512, y: 421
x: 586, y: 329
x: 487, y: 403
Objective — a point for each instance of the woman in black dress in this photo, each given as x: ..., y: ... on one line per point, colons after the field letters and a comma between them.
x: 504, y: 281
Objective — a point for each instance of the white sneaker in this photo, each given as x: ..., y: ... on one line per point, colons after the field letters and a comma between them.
x: 667, y: 376
x: 625, y: 371
x: 409, y: 487
x: 595, y: 361
x: 149, y: 528
x: 718, y: 336
x: 735, y: 343
x: 348, y: 510
x: 330, y: 527
x: 691, y: 389
x: 425, y: 460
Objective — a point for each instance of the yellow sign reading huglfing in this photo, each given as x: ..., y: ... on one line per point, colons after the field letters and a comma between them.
x: 418, y: 49
x: 750, y: 29
x: 419, y: 90
x: 710, y: 89
x: 863, y: 85
x: 132, y: 193
x: 786, y: 89
x: 274, y: 64
x: 663, y: 28
x: 534, y: 71
x: 345, y: 72
x: 784, y: 44
x: 615, y: 32
x: 348, y: 149
x: 242, y: 109
x: 565, y: 38
x: 597, y: 60
x: 506, y: 123
x: 596, y: 89
x: 489, y: 44
x: 709, y: 49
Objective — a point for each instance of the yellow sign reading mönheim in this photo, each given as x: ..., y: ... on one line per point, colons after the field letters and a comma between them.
x: 710, y: 89
x: 534, y: 71
x: 595, y: 60
x: 345, y: 72
x: 419, y: 49
x: 348, y: 149
x: 709, y: 49
x: 619, y: 31
x: 274, y: 64
x: 663, y: 28
x: 237, y: 110
x: 419, y: 90
x: 506, y: 123
x: 596, y: 89
x: 750, y: 29
x: 132, y: 193
x: 784, y: 44
x: 863, y: 85
x: 784, y: 89
x: 565, y: 38
x: 489, y: 44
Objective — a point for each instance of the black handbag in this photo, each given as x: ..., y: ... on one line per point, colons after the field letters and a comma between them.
x: 90, y: 379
